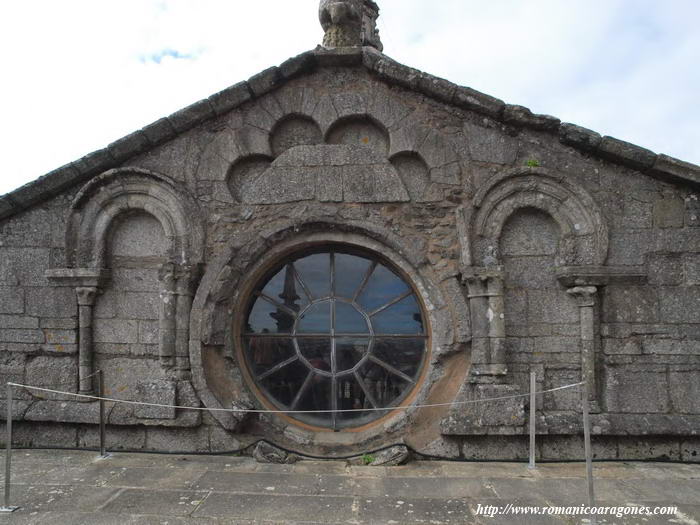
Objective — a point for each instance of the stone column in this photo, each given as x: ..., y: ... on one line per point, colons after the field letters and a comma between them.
x: 586, y: 297
x: 166, y: 343
x: 486, y: 304
x: 86, y: 301
x: 183, y: 290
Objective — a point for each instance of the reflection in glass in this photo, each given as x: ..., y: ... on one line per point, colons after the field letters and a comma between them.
x: 350, y: 271
x: 348, y: 320
x: 317, y: 396
x: 335, y: 331
x: 264, y: 353
x: 349, y: 352
x: 316, y: 320
x: 266, y: 318
x: 401, y: 318
x: 315, y: 271
x: 383, y: 286
x: 284, y: 384
x: 405, y: 355
x: 317, y: 352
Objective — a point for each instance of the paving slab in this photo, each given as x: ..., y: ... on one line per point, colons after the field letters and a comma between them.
x: 38, y: 498
x: 330, y: 509
x: 406, y: 511
x: 258, y: 482
x: 436, y: 488
x: 152, y: 502
x: 75, y: 487
x: 155, y: 478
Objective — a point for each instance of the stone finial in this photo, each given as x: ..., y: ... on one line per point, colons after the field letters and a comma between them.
x: 350, y: 23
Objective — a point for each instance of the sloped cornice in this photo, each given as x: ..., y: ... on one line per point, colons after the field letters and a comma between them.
x: 114, y: 155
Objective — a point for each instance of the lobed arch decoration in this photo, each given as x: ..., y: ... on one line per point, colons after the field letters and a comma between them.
x: 121, y: 191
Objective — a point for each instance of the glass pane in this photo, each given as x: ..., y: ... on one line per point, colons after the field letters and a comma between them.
x: 349, y: 272
x: 283, y: 385
x: 265, y: 318
x: 317, y: 351
x: 316, y: 320
x: 348, y: 320
x: 349, y: 351
x: 284, y: 288
x: 315, y: 271
x: 265, y: 353
x: 405, y: 355
x: 386, y: 388
x: 317, y: 397
x: 382, y: 288
x: 402, y: 318
x: 352, y: 397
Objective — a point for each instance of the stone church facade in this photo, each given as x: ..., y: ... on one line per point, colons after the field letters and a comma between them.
x: 343, y: 232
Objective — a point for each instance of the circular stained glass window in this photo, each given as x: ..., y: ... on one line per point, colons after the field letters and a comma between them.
x: 331, y: 330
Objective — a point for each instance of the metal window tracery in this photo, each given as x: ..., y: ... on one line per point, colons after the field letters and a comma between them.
x: 332, y: 329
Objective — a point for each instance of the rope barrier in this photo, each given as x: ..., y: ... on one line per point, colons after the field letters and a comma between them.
x: 258, y: 411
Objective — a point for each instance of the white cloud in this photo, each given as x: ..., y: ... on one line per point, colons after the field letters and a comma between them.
x: 79, y: 74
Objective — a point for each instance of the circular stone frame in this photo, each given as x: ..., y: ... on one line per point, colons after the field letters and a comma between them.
x: 270, y: 266
x: 216, y: 372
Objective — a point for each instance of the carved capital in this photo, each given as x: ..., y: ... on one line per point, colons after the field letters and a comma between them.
x: 586, y: 296
x: 168, y: 274
x: 483, y: 281
x: 87, y: 295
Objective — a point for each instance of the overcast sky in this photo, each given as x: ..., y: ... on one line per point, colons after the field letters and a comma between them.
x: 78, y: 74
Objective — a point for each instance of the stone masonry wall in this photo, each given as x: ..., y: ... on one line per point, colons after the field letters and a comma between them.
x: 468, y: 199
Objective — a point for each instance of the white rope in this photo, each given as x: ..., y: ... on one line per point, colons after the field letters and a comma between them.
x: 255, y: 411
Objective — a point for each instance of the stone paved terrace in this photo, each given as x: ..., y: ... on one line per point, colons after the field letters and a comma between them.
x: 75, y: 487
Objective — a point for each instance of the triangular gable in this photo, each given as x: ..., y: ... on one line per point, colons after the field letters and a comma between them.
x: 165, y: 129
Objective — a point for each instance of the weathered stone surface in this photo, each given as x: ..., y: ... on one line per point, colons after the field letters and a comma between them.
x: 469, y: 98
x: 129, y: 146
x: 230, y: 98
x: 582, y: 138
x: 51, y: 302
x: 160, y: 392
x: 55, y: 373
x: 679, y: 305
x: 424, y: 173
x: 298, y: 65
x: 626, y: 153
x: 159, y: 131
x: 636, y: 391
x: 676, y: 169
x: 12, y: 300
x: 669, y: 212
x: 471, y: 416
x: 265, y: 81
x: 522, y: 116
x: 65, y: 411
x: 266, y: 453
x: 490, y: 145
x: 192, y: 115
x: 391, y: 457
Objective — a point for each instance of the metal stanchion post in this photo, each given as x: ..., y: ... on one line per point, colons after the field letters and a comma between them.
x: 8, y: 453
x: 533, y: 416
x: 101, y: 393
x: 588, y: 449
